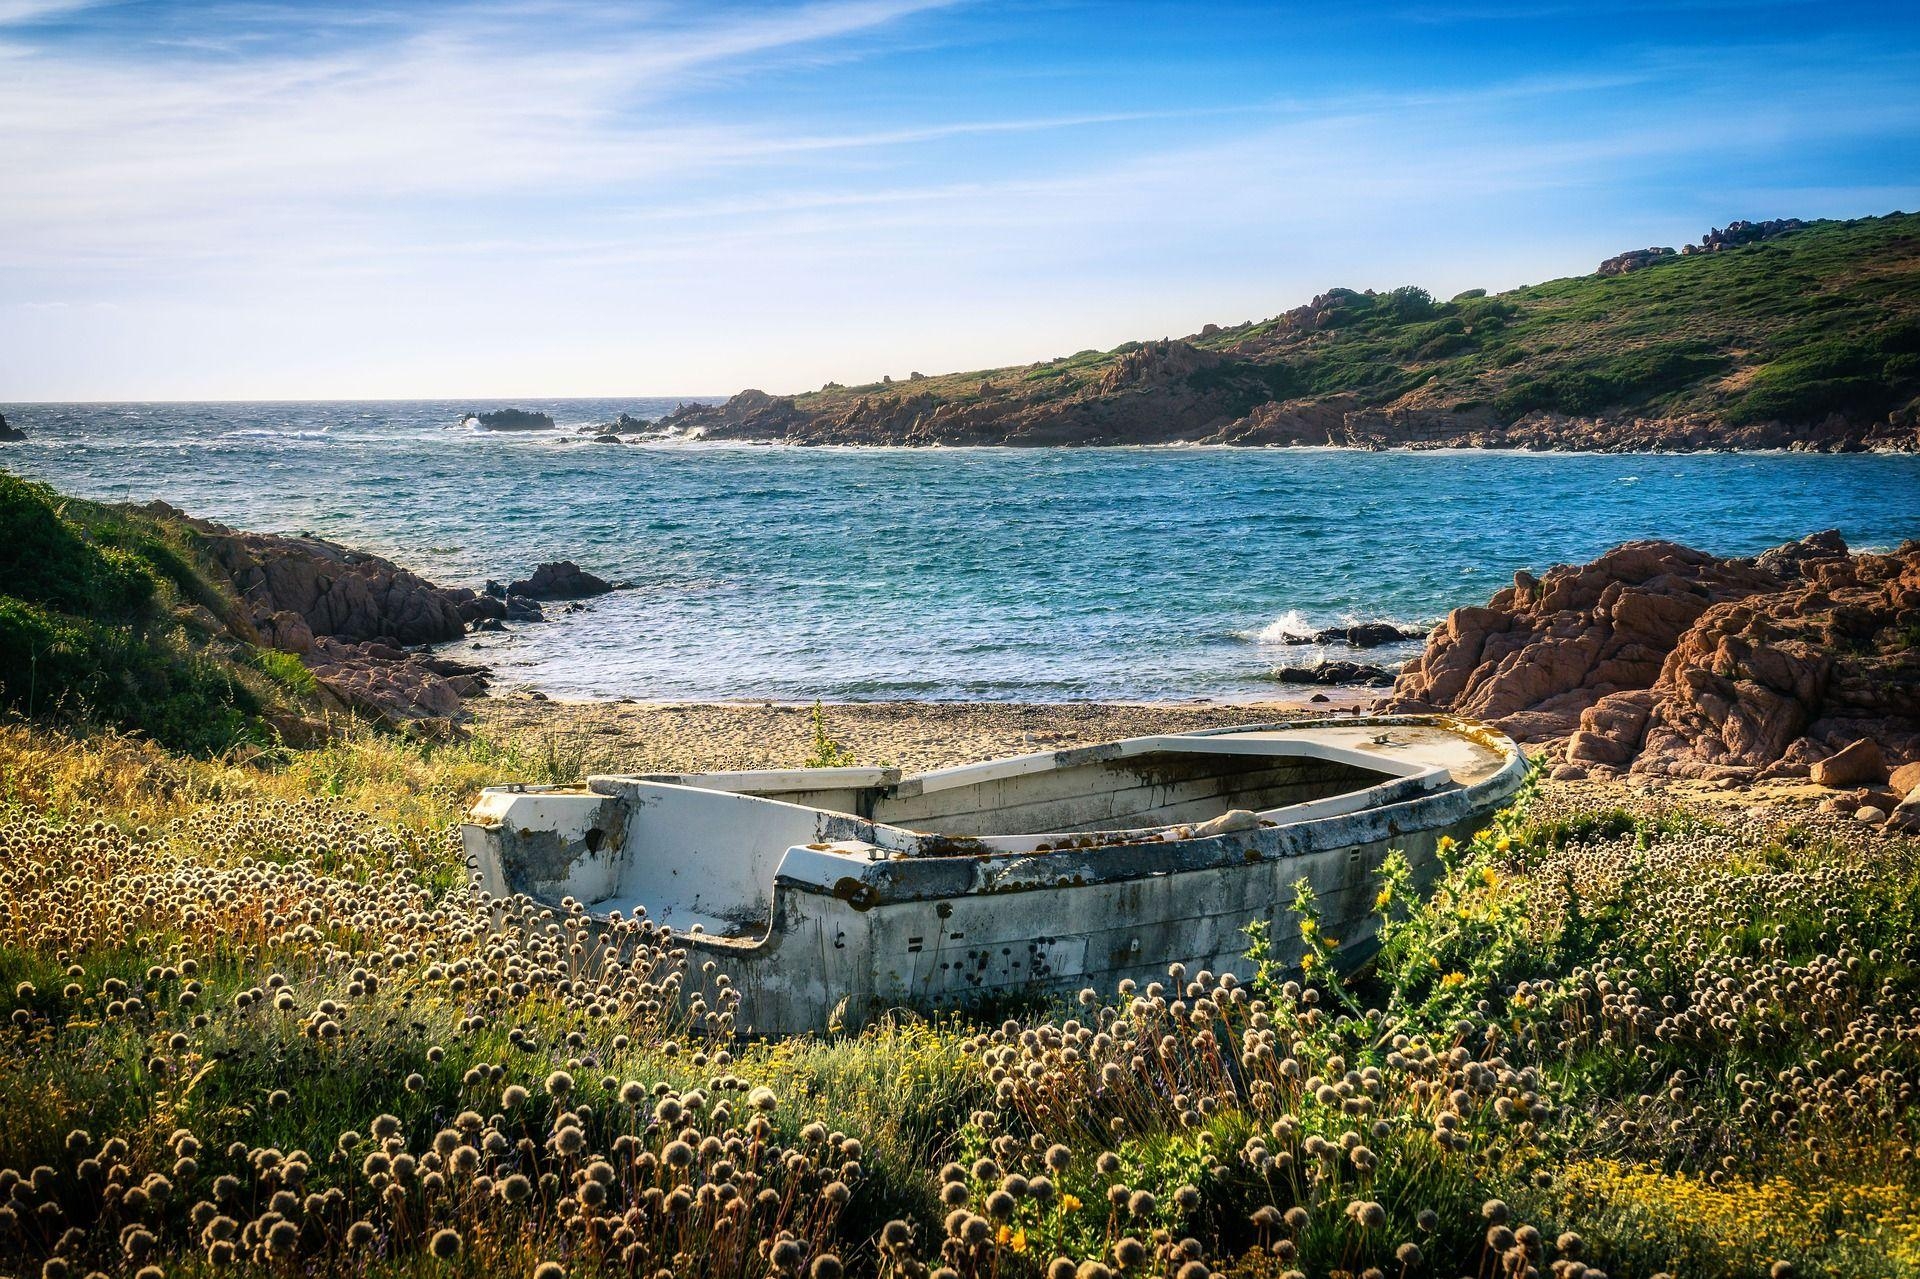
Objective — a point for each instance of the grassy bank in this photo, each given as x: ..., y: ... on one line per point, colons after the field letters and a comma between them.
x: 253, y: 1020
x: 109, y: 615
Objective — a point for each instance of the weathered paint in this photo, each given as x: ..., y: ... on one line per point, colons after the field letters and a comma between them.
x: 815, y: 912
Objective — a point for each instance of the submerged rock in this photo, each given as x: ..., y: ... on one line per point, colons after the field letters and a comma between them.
x: 1335, y: 673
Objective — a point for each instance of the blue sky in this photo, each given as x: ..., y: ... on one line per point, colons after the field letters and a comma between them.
x: 527, y: 197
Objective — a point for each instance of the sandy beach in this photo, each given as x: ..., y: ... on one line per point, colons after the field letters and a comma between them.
x: 688, y: 736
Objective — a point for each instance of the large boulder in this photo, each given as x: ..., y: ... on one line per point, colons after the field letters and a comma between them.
x: 559, y: 580
x: 1859, y: 763
x: 336, y: 591
x: 1905, y: 780
x: 1659, y: 658
x: 398, y: 687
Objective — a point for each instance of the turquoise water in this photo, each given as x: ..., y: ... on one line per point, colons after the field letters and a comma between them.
x: 965, y: 573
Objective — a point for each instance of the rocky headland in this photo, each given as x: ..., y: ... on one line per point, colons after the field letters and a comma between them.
x: 1660, y: 660
x: 361, y: 623
x: 1711, y: 348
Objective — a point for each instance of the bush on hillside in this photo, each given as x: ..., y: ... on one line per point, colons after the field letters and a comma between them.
x: 1863, y: 375
x: 1629, y: 380
x: 85, y: 634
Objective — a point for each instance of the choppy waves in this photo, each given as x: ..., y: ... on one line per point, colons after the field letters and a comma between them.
x: 1033, y: 574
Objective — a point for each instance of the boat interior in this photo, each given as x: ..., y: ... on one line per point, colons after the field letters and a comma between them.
x: 702, y: 850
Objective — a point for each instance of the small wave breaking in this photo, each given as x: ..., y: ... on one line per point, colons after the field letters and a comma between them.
x: 1289, y: 626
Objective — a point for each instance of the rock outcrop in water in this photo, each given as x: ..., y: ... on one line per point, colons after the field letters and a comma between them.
x: 1335, y: 673
x: 10, y: 434
x: 511, y: 420
x: 1656, y: 658
x: 1359, y: 635
x: 560, y: 580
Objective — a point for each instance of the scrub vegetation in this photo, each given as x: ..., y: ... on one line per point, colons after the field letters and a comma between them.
x: 1815, y: 322
x: 254, y: 1021
x: 107, y: 615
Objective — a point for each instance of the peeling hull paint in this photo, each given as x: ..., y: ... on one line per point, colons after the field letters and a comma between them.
x: 808, y: 910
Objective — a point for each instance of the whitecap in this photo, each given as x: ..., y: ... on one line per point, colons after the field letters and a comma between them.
x: 1290, y: 625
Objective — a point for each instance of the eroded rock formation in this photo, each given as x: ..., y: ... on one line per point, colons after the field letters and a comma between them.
x: 334, y: 590
x: 1656, y: 658
x: 350, y: 617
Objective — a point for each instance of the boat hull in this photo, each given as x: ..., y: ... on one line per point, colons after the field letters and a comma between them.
x: 845, y: 938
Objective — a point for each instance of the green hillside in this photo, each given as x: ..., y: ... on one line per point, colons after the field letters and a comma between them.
x: 1803, y: 327
x: 109, y: 617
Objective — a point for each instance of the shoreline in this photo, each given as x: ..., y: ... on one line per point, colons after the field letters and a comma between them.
x: 695, y: 736
x: 585, y: 737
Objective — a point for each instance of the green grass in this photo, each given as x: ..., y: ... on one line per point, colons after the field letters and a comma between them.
x: 1684, y: 1037
x: 89, y: 634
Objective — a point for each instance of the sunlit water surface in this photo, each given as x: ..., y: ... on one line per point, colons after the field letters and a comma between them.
x: 785, y: 573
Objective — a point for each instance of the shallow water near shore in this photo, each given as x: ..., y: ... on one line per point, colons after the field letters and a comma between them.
x: 995, y: 574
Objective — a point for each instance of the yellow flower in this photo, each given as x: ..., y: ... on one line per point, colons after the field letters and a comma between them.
x: 1380, y: 902
x: 1453, y: 979
x: 1069, y: 1203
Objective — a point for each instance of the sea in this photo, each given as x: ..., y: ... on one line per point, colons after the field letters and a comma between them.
x: 777, y: 573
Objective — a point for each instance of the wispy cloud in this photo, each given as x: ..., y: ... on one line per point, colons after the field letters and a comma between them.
x: 282, y: 192
x: 16, y: 12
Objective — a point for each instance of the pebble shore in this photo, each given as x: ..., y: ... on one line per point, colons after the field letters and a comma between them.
x: 697, y: 736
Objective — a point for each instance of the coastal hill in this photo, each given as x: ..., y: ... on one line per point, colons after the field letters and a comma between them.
x: 144, y: 619
x: 1768, y: 335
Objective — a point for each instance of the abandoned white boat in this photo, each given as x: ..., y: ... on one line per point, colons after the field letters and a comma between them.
x: 835, y: 894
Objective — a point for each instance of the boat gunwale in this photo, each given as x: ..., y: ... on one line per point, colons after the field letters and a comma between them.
x: 871, y: 875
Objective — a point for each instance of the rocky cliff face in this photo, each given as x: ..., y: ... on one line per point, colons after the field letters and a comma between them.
x: 347, y: 614
x: 1656, y: 658
x: 1168, y: 409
